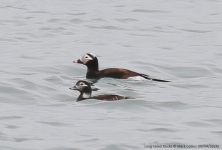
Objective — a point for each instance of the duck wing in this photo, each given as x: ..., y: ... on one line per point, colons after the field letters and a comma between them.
x: 110, y: 97
x: 118, y: 73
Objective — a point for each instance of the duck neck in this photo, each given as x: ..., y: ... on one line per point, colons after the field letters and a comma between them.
x: 93, y: 66
x: 85, y: 95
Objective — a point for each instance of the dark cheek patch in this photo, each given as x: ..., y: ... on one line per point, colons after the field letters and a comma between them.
x: 90, y: 55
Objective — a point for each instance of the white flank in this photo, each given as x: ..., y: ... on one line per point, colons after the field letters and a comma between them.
x: 138, y: 78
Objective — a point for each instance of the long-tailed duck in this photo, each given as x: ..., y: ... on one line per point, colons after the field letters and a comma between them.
x: 91, y: 61
x: 85, y: 93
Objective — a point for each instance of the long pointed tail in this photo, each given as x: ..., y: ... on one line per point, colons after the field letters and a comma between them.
x: 152, y: 79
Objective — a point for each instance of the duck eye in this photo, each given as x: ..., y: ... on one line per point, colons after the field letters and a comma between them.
x: 86, y: 57
x: 82, y: 84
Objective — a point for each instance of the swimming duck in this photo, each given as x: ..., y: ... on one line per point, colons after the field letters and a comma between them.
x: 91, y: 61
x: 86, y: 93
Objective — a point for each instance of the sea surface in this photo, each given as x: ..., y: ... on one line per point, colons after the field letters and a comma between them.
x: 174, y: 40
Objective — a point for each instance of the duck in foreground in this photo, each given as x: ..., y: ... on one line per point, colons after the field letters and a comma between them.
x: 85, y: 93
x: 91, y: 61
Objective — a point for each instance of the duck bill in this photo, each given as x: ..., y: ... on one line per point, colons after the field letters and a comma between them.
x: 78, y: 61
x: 73, y: 88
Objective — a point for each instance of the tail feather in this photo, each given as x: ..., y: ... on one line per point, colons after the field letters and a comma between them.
x: 152, y: 79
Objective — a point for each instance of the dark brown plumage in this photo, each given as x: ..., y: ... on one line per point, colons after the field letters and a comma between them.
x: 118, y: 73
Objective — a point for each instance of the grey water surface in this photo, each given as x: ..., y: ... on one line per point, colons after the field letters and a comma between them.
x: 173, y: 40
